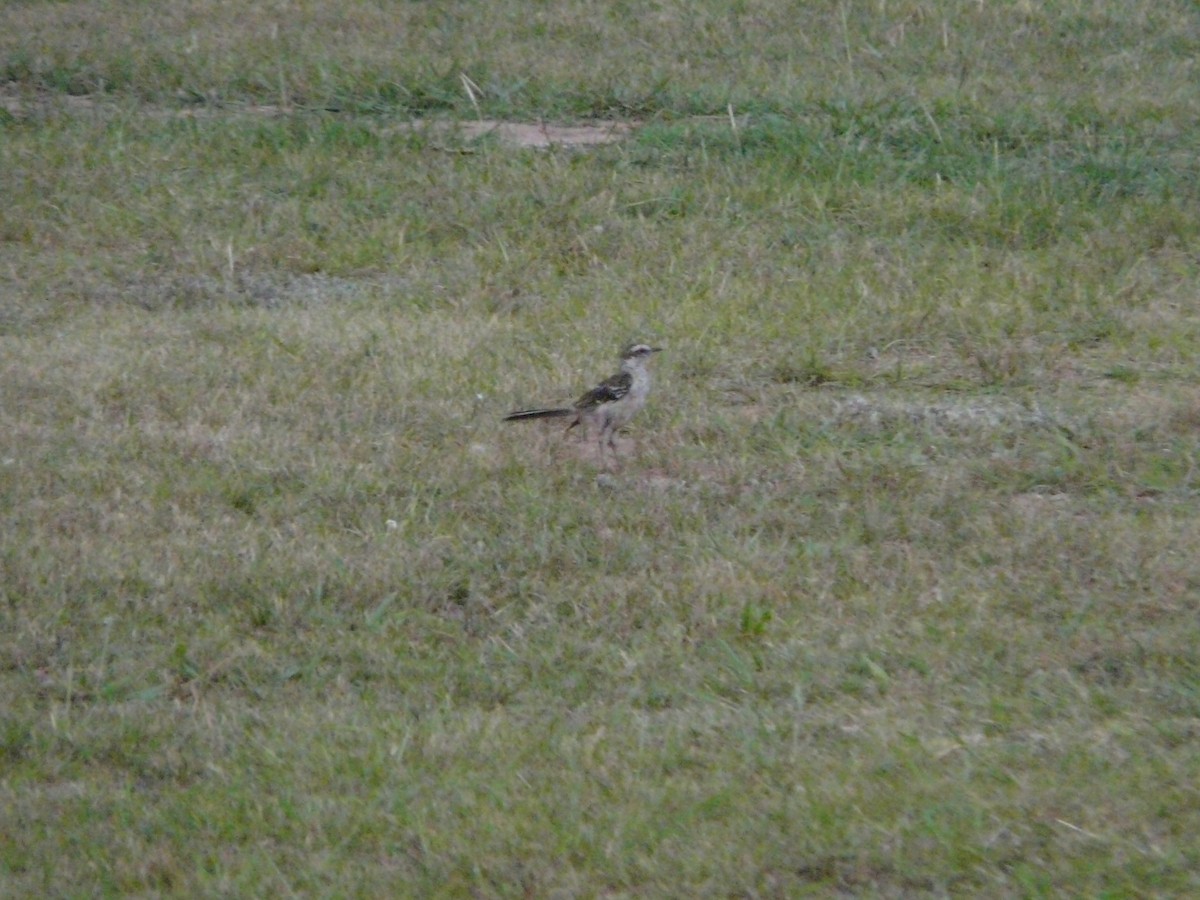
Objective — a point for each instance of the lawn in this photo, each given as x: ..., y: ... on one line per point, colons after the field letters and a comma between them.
x: 892, y: 591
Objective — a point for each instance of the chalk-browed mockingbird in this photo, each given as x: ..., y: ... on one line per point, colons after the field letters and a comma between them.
x: 610, y: 404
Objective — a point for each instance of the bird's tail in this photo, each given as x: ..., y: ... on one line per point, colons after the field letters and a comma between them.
x: 522, y: 414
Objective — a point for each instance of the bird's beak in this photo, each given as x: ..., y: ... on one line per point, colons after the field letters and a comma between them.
x: 656, y: 349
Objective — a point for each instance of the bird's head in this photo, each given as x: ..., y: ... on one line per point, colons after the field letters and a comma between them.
x: 639, y: 352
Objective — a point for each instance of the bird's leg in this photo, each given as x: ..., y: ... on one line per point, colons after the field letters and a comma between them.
x: 583, y: 432
x: 608, y: 438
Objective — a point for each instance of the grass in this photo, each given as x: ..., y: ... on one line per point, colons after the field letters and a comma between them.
x: 894, y: 592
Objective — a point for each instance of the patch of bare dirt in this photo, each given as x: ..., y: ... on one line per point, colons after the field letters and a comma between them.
x: 538, y: 135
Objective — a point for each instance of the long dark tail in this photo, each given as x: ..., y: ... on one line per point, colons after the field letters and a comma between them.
x: 521, y: 414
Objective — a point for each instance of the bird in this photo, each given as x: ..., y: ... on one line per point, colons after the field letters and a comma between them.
x: 609, y: 405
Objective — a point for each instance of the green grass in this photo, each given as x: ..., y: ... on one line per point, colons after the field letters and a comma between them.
x: 893, y: 593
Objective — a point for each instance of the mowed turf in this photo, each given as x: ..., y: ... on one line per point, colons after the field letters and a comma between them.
x: 893, y: 591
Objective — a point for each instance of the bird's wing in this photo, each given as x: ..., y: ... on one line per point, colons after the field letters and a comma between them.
x: 606, y: 391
